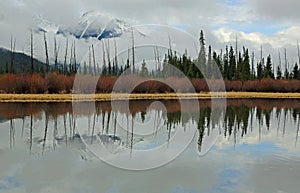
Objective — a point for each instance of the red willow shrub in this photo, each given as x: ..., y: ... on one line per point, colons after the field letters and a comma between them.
x: 59, y: 83
x: 105, y: 84
x: 200, y: 85
x: 249, y: 85
x: 153, y: 86
x: 35, y: 83
x: 271, y: 85
x: 12, y: 83
x: 235, y: 85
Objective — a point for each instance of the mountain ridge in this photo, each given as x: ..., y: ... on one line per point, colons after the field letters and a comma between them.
x: 22, y: 61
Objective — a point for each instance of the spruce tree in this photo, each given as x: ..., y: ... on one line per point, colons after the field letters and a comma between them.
x: 296, y: 73
x: 268, y: 72
x: 226, y: 65
x: 246, y: 65
x: 209, y: 63
x: 202, y: 56
x: 279, y: 73
x: 218, y: 62
x: 232, y: 64
x: 144, y: 70
x: 238, y: 75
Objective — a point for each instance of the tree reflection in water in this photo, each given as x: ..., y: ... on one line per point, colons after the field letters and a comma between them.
x: 236, y: 121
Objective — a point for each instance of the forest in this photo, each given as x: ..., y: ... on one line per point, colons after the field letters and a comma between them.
x: 22, y: 74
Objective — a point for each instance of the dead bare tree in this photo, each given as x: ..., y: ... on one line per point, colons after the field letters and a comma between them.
x: 236, y: 50
x: 71, y: 58
x: 155, y: 59
x: 286, y: 73
x: 94, y: 60
x: 12, y: 50
x: 46, y: 53
x: 115, y: 58
x: 55, y: 54
x: 252, y: 64
x: 74, y: 67
x: 103, y: 57
x: 66, y: 54
x: 107, y: 47
x: 261, y: 54
x: 90, y: 61
x: 279, y: 63
x: 133, y: 56
x: 298, y: 49
x: 31, y: 53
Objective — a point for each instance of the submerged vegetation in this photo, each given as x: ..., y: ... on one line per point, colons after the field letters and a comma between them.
x: 237, y: 68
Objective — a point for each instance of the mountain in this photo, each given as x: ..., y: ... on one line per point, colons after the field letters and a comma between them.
x: 21, y: 61
x: 91, y: 25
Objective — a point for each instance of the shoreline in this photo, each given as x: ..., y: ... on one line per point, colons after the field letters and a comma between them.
x: 122, y: 96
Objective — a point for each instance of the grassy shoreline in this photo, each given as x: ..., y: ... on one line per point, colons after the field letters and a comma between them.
x: 163, y: 96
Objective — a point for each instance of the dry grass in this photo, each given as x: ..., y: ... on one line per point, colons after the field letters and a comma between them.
x: 107, y: 97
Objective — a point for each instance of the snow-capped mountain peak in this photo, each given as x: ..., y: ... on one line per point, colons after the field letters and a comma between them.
x: 91, y: 24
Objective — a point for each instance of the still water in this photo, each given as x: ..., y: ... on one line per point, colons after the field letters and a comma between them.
x: 242, y: 146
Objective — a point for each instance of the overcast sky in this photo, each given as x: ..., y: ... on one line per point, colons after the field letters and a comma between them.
x: 272, y: 24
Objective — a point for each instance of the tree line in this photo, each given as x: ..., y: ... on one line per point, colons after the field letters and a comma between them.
x: 237, y: 68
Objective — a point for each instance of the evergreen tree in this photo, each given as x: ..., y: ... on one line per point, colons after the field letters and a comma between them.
x: 218, y: 61
x: 6, y: 67
x: 232, y: 64
x: 226, y: 65
x: 144, y: 70
x: 286, y: 74
x: 260, y: 69
x: 121, y: 71
x: 209, y: 63
x: 279, y: 73
x: 246, y: 65
x: 202, y: 56
x: 239, y: 68
x: 109, y: 68
x: 104, y: 71
x: 268, y: 72
x: 296, y: 72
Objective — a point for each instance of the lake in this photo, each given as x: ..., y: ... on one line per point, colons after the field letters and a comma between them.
x: 165, y: 146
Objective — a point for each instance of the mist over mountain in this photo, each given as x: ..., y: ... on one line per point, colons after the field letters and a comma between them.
x: 90, y: 25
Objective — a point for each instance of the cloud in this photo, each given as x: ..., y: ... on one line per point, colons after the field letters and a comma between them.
x: 278, y: 11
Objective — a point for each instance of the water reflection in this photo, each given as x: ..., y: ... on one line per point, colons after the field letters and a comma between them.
x: 257, y: 148
x: 47, y: 125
